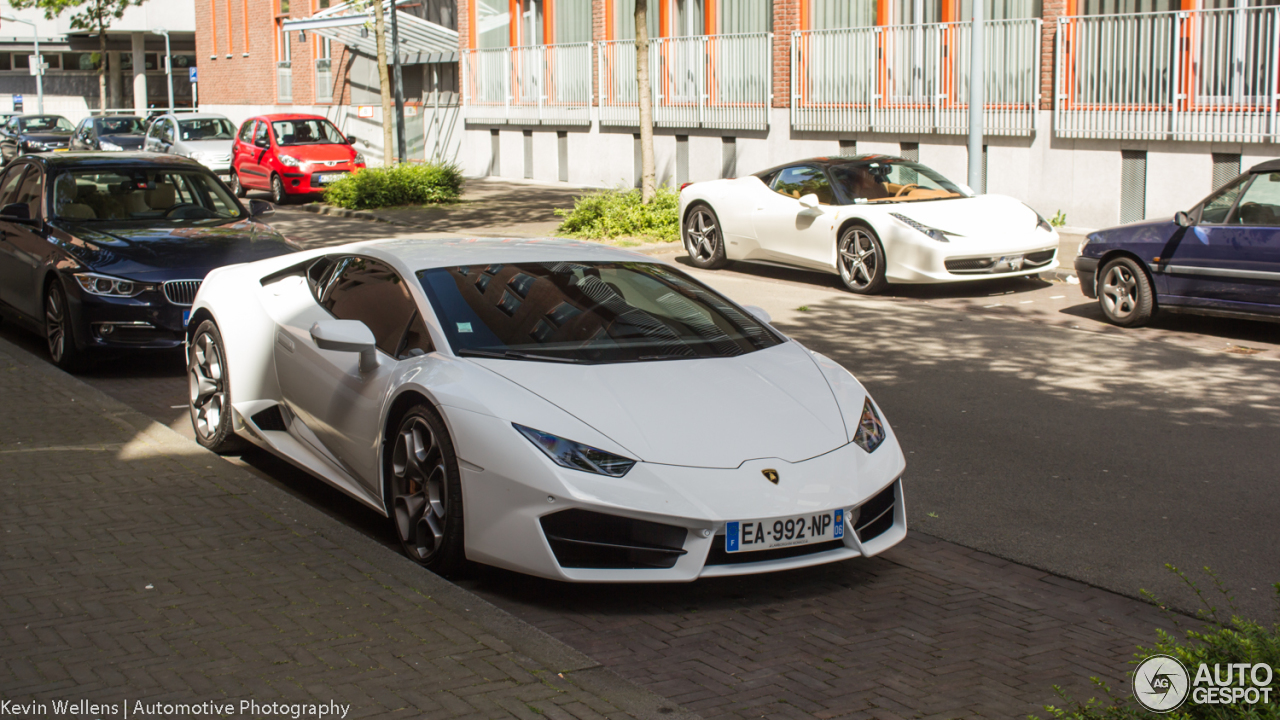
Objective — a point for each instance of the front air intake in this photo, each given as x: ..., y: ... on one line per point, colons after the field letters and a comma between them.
x: 875, y: 515
x: 585, y: 539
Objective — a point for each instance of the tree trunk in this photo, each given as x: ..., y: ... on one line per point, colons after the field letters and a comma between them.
x: 102, y: 67
x: 647, y: 173
x: 384, y: 85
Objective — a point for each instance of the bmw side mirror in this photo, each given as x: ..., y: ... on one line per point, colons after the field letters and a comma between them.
x: 809, y: 202
x: 261, y: 209
x: 1182, y: 219
x: 347, y: 336
x: 16, y: 211
x: 758, y: 313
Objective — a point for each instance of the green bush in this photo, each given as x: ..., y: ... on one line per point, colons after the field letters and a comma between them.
x: 406, y: 184
x: 1222, y: 641
x: 609, y: 214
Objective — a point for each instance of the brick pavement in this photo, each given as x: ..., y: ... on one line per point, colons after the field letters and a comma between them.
x: 139, y: 568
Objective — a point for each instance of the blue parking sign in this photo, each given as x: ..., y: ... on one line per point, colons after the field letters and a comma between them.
x: 192, y: 71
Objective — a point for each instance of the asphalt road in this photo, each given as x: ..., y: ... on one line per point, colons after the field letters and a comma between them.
x: 1033, y: 431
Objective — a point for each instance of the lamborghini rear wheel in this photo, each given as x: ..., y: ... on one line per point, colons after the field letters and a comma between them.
x: 425, y: 492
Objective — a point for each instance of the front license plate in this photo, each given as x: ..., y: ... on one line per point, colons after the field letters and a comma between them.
x: 330, y: 177
x: 186, y: 317
x: 791, y: 531
x: 60, y: 149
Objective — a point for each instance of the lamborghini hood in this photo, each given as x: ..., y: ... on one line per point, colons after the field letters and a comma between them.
x: 715, y: 413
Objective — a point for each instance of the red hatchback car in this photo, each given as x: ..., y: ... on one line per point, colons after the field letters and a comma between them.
x: 289, y: 155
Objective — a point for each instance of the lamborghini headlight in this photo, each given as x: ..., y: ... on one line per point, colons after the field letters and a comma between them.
x: 575, y: 455
x: 935, y: 233
x: 870, y: 431
x: 108, y: 286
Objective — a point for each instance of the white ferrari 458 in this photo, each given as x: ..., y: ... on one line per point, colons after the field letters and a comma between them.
x: 561, y: 409
x: 872, y: 219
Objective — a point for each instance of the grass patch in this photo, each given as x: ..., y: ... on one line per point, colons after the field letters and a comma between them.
x: 619, y: 213
x: 405, y: 184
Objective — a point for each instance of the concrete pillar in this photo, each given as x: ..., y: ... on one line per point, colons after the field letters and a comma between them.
x: 139, y: 74
x: 115, y: 91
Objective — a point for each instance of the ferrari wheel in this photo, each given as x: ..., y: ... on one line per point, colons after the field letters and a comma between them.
x: 278, y: 195
x: 703, y: 240
x: 860, y: 259
x: 236, y: 187
x: 426, y: 493
x: 1125, y: 293
x: 210, y: 391
x: 58, y: 332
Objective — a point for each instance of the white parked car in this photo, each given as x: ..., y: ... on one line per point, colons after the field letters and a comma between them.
x: 204, y: 137
x: 557, y: 408
x: 872, y: 219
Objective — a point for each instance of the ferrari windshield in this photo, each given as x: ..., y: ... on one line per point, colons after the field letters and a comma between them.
x: 142, y: 194
x: 891, y: 180
x: 589, y: 312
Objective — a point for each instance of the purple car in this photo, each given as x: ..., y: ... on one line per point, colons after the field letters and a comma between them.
x: 1222, y: 257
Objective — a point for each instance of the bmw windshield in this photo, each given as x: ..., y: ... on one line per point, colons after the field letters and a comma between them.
x: 587, y: 312
x: 123, y: 194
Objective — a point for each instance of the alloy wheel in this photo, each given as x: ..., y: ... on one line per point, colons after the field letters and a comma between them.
x: 419, y: 489
x: 277, y: 190
x: 858, y: 259
x: 236, y: 187
x: 55, y: 323
x: 703, y: 235
x: 1119, y: 292
x: 207, y: 382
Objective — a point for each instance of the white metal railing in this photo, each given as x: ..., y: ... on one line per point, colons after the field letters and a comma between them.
x: 696, y: 81
x: 1205, y: 75
x: 914, y: 78
x: 284, y: 81
x: 535, y: 84
x: 324, y: 80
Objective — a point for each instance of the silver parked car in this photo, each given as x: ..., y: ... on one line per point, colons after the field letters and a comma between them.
x: 203, y: 137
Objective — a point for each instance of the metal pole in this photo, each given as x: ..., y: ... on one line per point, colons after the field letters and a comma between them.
x: 168, y: 69
x: 39, y: 72
x: 402, y: 143
x: 976, y: 52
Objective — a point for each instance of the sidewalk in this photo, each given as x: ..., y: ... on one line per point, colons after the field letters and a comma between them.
x: 140, y: 569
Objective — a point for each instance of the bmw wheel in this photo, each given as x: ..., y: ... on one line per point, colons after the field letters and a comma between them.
x: 210, y: 391
x: 703, y: 239
x: 860, y: 259
x: 278, y: 195
x: 58, y: 332
x: 1124, y: 292
x: 425, y: 492
x: 236, y: 187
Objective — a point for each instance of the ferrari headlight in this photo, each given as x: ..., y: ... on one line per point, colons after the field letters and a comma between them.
x: 870, y: 431
x: 935, y: 233
x: 575, y: 455
x: 108, y: 286
x: 289, y: 160
x: 104, y: 145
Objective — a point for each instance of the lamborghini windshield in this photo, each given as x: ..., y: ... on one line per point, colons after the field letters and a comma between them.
x: 891, y: 180
x: 588, y: 312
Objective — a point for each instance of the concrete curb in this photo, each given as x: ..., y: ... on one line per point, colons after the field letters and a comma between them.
x: 574, y: 666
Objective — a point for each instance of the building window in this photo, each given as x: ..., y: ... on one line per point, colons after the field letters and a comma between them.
x: 1133, y: 185
x: 284, y: 66
x: 284, y: 7
x: 324, y: 71
x: 1226, y: 166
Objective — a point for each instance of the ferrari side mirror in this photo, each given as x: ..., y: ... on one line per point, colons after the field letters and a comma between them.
x: 758, y: 313
x: 347, y: 336
x: 1182, y: 219
x: 809, y: 201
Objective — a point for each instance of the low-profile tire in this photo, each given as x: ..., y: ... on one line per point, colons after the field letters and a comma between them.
x: 209, y: 381
x: 861, y: 261
x: 703, y: 238
x: 59, y: 334
x: 236, y: 187
x: 1124, y: 293
x: 278, y: 194
x: 424, y: 492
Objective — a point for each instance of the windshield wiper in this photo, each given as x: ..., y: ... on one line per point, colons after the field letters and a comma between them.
x: 513, y: 355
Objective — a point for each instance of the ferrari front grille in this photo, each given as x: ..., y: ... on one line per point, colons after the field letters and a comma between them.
x: 970, y: 265
x: 1041, y: 257
x: 181, y: 292
x: 585, y: 539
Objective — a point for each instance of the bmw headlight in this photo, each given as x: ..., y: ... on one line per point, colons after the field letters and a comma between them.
x: 359, y: 159
x: 934, y: 233
x: 104, y: 145
x: 289, y: 160
x: 108, y: 286
x: 870, y: 431
x: 575, y: 455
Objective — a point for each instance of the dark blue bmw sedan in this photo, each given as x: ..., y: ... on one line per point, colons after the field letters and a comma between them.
x: 1221, y: 257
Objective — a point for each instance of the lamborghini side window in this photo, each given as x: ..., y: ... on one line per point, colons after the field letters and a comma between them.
x: 369, y: 291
